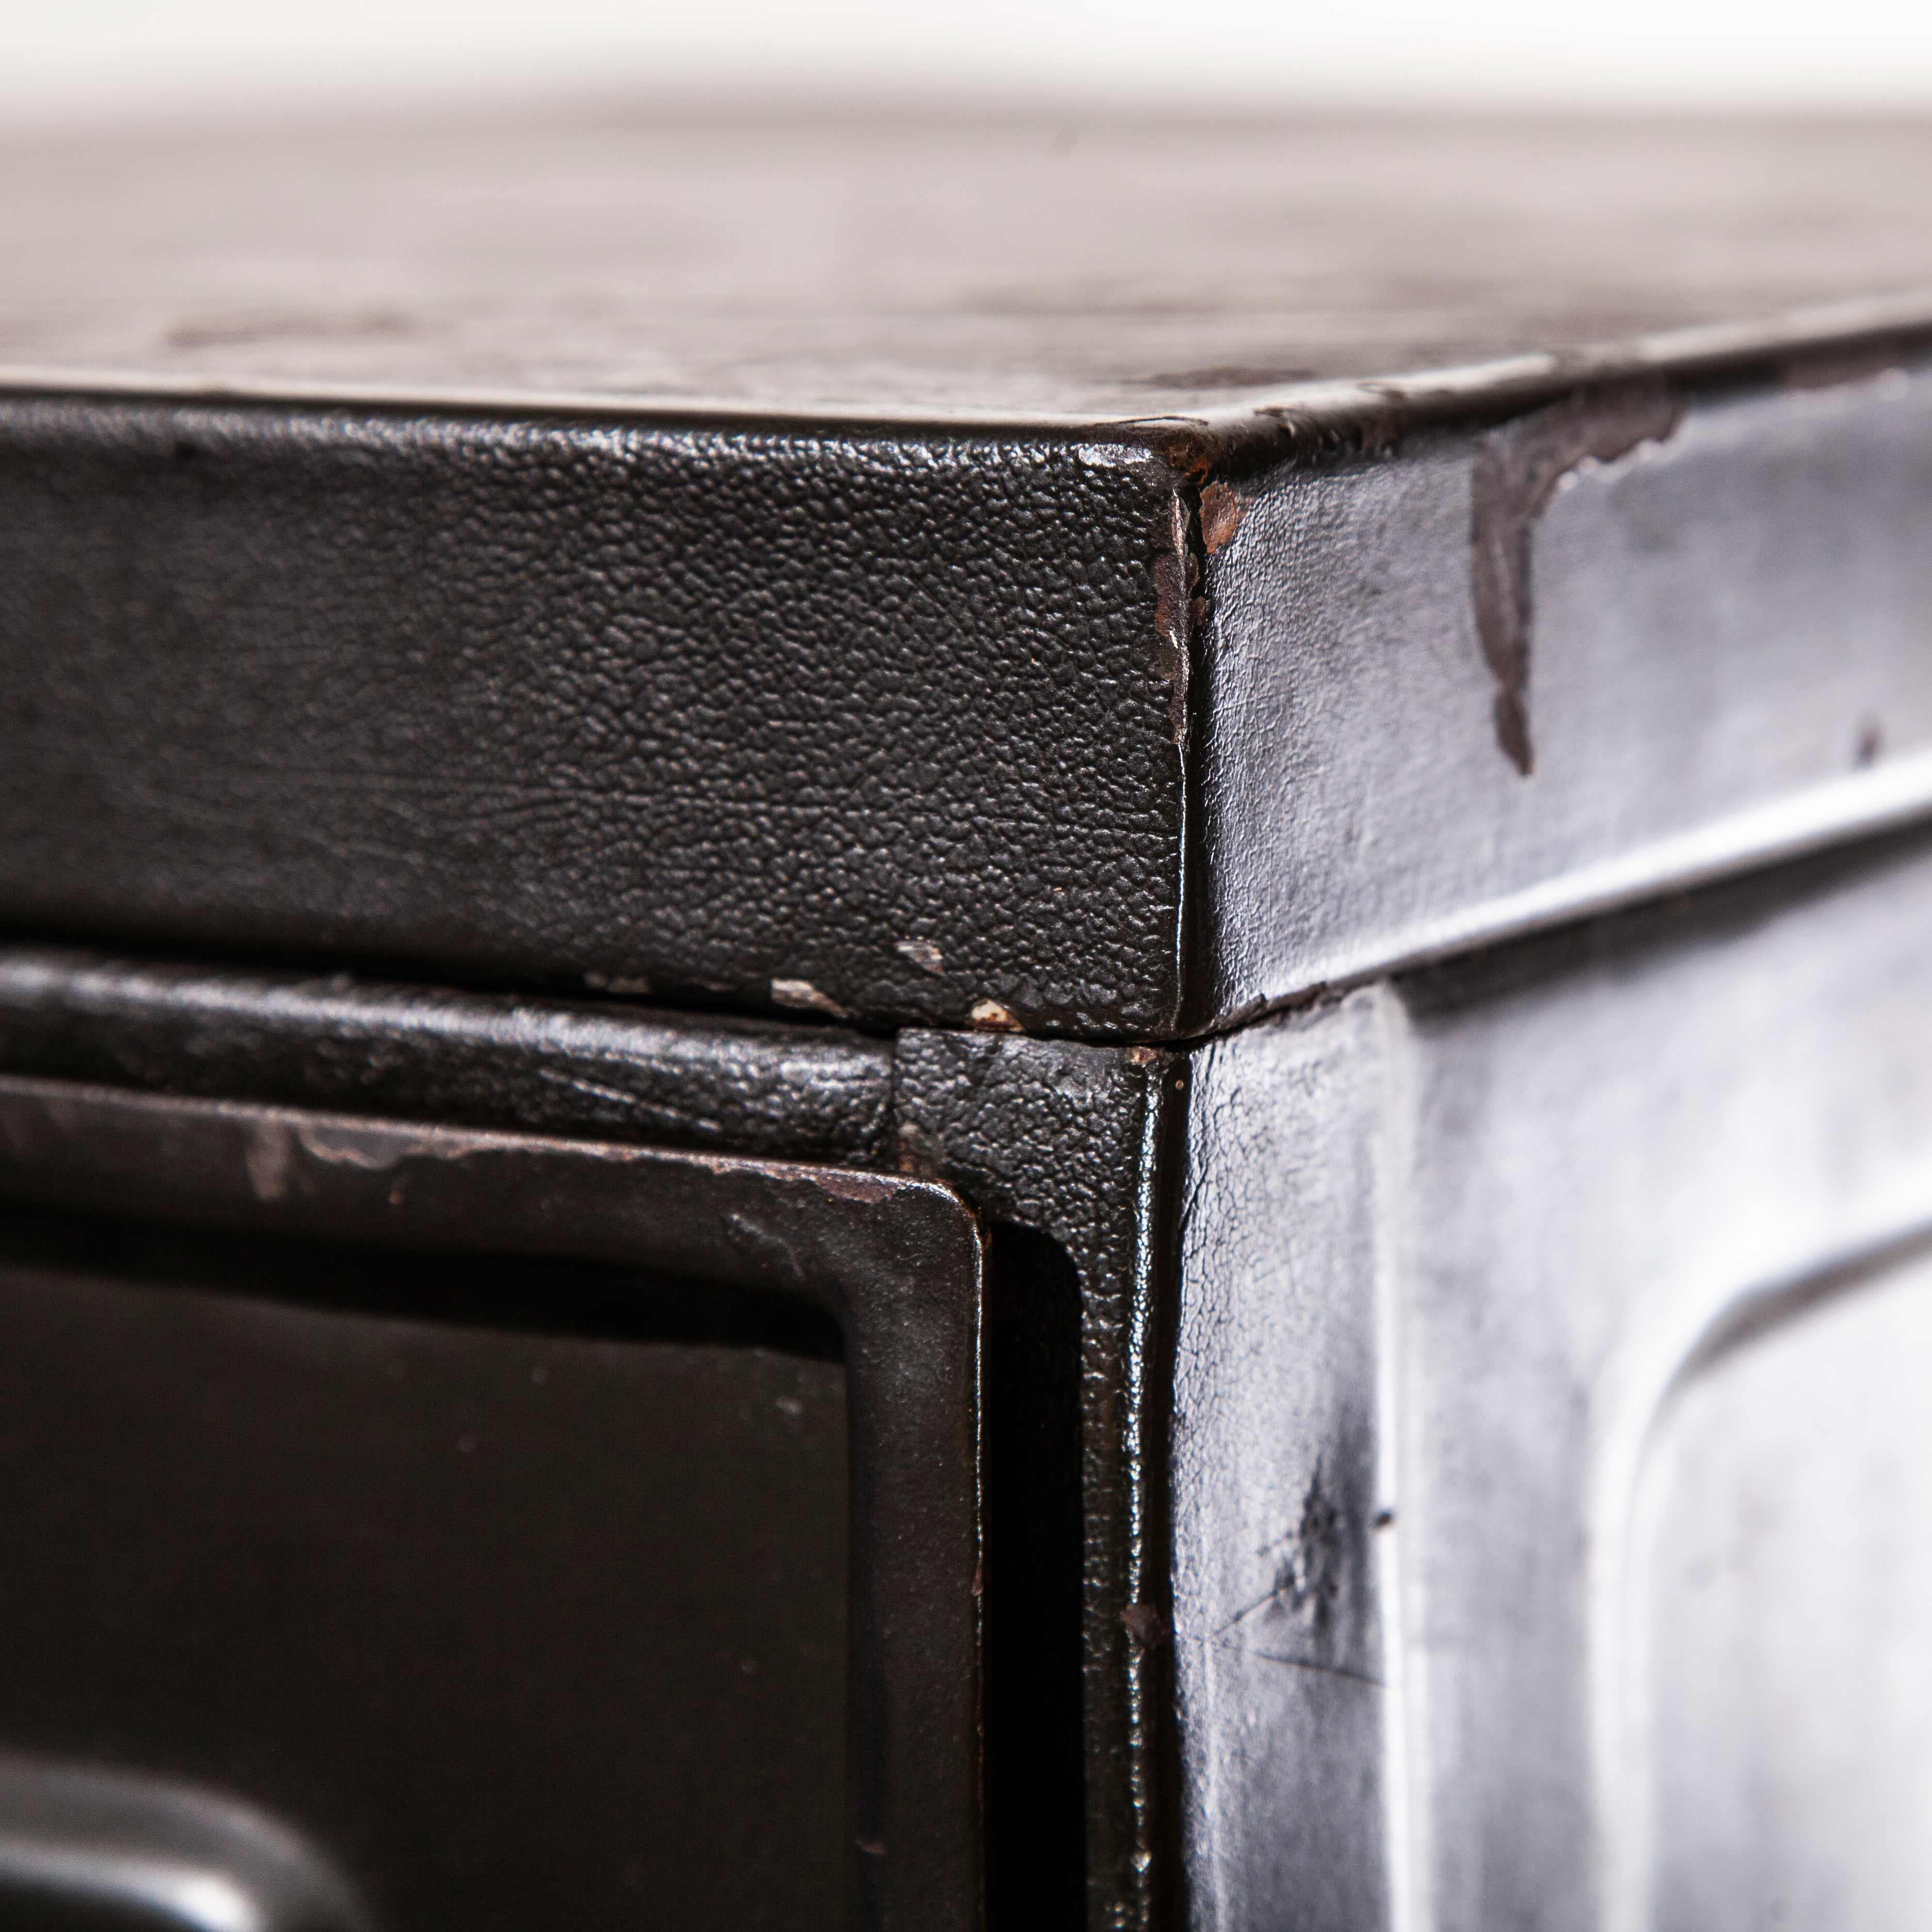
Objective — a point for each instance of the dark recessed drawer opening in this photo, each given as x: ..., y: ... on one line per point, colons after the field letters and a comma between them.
x: 1036, y: 1824
x: 518, y: 1587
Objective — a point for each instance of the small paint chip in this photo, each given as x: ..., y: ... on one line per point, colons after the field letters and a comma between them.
x: 1145, y: 1624
x: 1519, y: 468
x: 803, y: 995
x: 1221, y: 514
x: 990, y: 1013
x: 923, y: 953
x: 917, y: 1155
x: 617, y: 983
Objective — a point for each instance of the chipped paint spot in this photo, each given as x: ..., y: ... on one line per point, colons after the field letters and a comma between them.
x: 1175, y: 608
x: 376, y: 1152
x: 1171, y: 594
x: 1519, y: 469
x: 923, y: 953
x: 1221, y: 514
x: 803, y: 995
x: 989, y: 1013
x: 1115, y: 456
x: 917, y: 1155
x: 617, y: 983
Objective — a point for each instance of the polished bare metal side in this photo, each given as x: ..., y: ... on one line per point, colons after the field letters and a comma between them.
x: 1780, y: 1589
x: 1631, y: 1220
x: 897, y: 1261
x: 1282, y: 1689
x: 1723, y: 665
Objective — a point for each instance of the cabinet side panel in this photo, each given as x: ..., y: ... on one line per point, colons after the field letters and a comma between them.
x: 1708, y: 651
x: 1284, y: 1701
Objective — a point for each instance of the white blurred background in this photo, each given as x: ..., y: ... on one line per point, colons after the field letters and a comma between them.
x: 60, y: 59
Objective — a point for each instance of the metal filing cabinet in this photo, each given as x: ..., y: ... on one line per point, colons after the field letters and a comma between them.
x: 908, y: 1025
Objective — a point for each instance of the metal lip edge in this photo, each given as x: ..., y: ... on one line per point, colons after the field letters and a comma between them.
x: 1511, y: 381
x: 864, y: 1187
x: 1427, y: 395
x: 21, y: 381
x: 1843, y: 811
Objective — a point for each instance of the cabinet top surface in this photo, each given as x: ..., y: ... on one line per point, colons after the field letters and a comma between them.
x: 938, y: 266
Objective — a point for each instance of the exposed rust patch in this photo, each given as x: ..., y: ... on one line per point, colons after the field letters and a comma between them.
x: 1518, y: 469
x: 1190, y: 445
x: 1221, y: 514
x: 1833, y: 368
x: 1170, y: 592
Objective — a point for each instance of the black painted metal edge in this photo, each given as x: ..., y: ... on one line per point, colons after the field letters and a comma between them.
x: 1308, y: 418
x: 595, y: 1070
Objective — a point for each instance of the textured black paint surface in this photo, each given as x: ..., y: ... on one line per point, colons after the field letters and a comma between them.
x: 479, y: 1060
x: 560, y: 701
